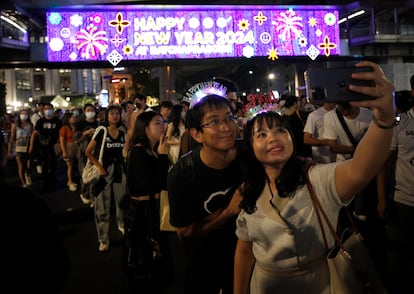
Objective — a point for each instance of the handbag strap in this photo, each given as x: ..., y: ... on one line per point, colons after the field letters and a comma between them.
x: 319, y: 210
x: 346, y: 128
x: 98, y: 129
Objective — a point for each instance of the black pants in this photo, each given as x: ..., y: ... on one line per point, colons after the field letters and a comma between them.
x: 143, y: 237
x: 49, y: 165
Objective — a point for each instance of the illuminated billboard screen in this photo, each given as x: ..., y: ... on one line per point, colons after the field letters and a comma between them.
x: 191, y: 32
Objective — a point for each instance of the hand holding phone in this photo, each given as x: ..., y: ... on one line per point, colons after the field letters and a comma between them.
x: 332, y: 85
x: 163, y: 146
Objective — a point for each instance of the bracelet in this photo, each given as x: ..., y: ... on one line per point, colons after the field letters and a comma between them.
x: 395, y: 122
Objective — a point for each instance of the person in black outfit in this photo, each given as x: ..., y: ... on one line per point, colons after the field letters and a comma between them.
x: 204, y: 199
x: 147, y: 168
x: 297, y: 123
x: 46, y: 134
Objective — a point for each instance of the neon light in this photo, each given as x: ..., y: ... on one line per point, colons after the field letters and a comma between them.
x: 200, y: 90
x: 11, y: 22
x: 118, y: 33
x: 358, y: 13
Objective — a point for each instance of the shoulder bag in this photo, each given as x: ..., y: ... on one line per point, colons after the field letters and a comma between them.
x: 350, y: 266
x: 90, y: 173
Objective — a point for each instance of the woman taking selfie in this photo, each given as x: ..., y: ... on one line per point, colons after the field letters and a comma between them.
x: 280, y: 247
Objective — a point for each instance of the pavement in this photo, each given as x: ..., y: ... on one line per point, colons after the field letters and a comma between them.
x: 92, y: 271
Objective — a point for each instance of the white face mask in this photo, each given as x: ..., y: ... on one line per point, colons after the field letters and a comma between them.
x: 49, y: 112
x: 23, y: 117
x: 90, y: 114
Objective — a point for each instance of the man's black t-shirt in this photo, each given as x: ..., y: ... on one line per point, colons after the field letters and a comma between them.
x: 207, y: 190
x: 195, y: 193
x: 48, y: 131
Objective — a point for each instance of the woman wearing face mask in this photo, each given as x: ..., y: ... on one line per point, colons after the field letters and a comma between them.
x: 19, y: 140
x: 83, y: 134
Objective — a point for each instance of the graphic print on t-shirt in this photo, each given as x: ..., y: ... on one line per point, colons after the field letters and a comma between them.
x: 218, y: 200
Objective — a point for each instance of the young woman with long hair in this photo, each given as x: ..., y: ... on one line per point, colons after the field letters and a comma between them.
x: 19, y: 143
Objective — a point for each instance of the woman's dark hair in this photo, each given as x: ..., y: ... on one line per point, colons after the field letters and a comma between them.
x: 290, y: 100
x: 66, y: 118
x: 175, y: 118
x: 88, y: 105
x: 139, y: 136
x: 106, y: 123
x: 196, y: 113
x: 291, y: 176
x: 403, y: 100
x: 19, y: 121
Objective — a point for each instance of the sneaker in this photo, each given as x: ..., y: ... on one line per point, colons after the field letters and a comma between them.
x: 361, y: 217
x: 39, y: 169
x: 85, y: 200
x: 28, y: 179
x: 103, y: 247
x: 73, y: 187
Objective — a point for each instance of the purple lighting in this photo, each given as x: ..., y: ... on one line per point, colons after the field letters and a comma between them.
x: 191, y: 32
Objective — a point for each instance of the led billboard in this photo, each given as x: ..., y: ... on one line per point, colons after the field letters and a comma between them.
x: 191, y: 32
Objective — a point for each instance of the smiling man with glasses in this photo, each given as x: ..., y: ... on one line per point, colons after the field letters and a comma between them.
x: 204, y: 199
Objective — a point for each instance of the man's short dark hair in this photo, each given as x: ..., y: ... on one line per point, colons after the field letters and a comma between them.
x: 403, y: 100
x: 140, y: 97
x: 87, y: 105
x: 196, y: 113
x: 290, y: 100
x: 166, y: 104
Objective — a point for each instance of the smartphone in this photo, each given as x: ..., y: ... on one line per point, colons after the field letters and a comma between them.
x: 332, y: 85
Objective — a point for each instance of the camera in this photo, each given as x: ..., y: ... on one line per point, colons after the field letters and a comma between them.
x: 332, y: 84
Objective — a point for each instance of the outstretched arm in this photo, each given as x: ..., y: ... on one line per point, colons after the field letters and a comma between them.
x: 352, y: 175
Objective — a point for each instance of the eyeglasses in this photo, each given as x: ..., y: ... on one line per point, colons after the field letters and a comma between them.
x: 215, y: 123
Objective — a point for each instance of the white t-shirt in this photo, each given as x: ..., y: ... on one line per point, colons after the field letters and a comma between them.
x: 286, y: 251
x: 333, y: 129
x: 403, y: 143
x: 314, y: 126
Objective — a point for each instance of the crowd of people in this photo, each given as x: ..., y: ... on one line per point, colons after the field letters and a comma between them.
x: 238, y: 197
